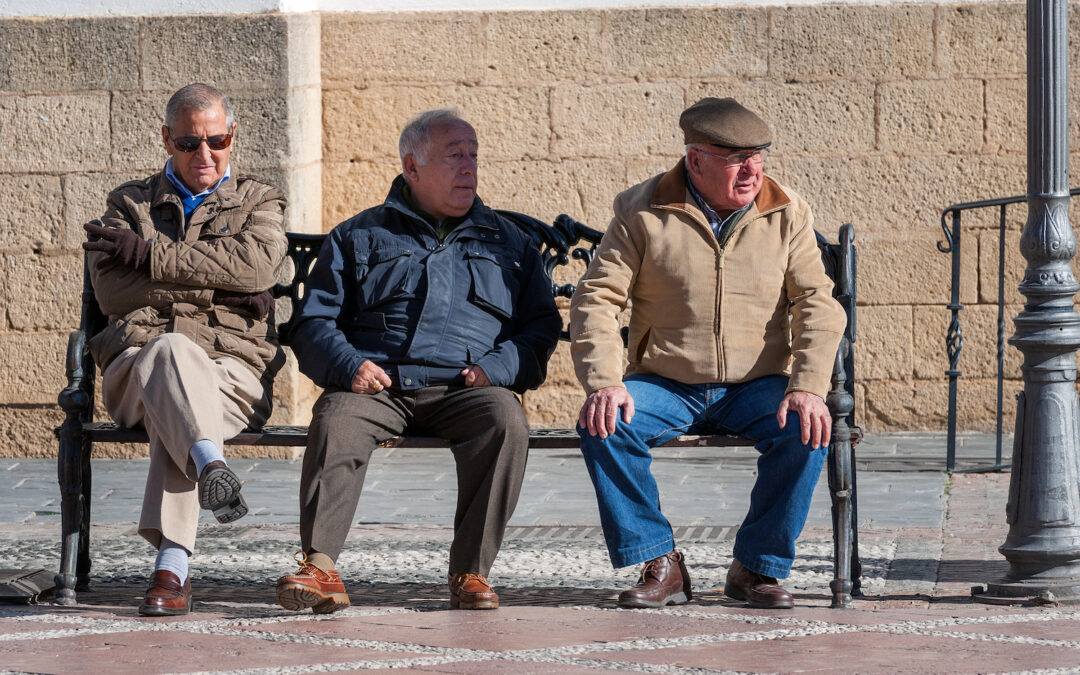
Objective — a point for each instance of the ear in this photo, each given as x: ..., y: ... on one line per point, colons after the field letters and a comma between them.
x: 693, y: 163
x: 165, y: 140
x: 408, y: 168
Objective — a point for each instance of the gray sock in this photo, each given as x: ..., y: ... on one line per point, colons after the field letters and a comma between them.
x: 174, y: 558
x: 204, y: 452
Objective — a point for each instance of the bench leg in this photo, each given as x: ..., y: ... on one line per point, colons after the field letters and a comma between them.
x: 840, y: 491
x: 72, y: 506
x: 841, y: 480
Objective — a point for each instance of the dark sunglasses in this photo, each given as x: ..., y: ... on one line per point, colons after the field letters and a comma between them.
x: 192, y: 143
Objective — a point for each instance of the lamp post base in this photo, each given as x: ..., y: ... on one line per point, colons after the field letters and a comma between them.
x: 1062, y: 592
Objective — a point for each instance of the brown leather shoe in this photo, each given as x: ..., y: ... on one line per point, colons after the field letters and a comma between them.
x: 758, y: 590
x: 472, y: 591
x: 219, y: 491
x: 664, y: 581
x: 321, y: 590
x: 166, y: 595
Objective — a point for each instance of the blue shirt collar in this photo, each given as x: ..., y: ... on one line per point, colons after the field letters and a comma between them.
x: 190, y: 200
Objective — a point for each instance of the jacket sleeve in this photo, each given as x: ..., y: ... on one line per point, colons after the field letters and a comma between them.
x: 596, y: 344
x: 246, y: 262
x: 817, y: 319
x: 119, y: 289
x: 520, y: 362
x: 322, y: 351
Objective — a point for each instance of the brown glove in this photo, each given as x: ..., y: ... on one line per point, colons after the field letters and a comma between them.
x: 258, y: 304
x: 121, y: 243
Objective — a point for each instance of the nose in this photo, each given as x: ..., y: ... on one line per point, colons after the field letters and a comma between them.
x: 203, y: 153
x: 467, y: 166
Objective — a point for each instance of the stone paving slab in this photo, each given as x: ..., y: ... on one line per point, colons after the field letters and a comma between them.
x: 926, y: 539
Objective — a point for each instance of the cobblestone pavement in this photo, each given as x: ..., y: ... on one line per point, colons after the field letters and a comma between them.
x: 925, y: 540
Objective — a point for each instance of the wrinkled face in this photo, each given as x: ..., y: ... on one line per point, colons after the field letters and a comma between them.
x: 726, y: 183
x: 202, y: 167
x: 445, y: 184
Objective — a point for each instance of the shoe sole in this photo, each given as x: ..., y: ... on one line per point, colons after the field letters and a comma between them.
x: 296, y: 597
x: 219, y: 491
x: 759, y: 605
x: 154, y: 610
x: 456, y: 603
x: 677, y: 599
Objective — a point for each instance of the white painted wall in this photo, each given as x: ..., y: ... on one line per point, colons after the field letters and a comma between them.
x: 95, y: 8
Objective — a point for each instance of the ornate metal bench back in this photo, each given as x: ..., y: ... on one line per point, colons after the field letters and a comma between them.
x: 558, y: 245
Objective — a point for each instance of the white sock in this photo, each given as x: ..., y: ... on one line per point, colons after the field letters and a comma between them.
x: 174, y: 558
x: 204, y: 452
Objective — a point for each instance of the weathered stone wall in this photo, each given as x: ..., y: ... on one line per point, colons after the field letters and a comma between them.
x: 81, y: 108
x: 883, y: 115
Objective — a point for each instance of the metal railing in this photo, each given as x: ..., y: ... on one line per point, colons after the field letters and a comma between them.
x: 954, y: 340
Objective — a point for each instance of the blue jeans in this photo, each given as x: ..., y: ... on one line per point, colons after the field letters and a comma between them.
x: 629, y: 498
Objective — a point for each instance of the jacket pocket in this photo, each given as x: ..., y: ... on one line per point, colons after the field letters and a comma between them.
x: 239, y: 322
x: 385, y: 274
x: 494, y: 281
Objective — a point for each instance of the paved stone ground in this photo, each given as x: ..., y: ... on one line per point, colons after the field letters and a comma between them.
x: 925, y: 540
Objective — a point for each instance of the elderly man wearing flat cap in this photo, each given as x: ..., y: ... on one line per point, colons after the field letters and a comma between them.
x: 733, y: 329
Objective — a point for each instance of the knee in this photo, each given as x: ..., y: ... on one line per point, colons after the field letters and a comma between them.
x: 507, y: 417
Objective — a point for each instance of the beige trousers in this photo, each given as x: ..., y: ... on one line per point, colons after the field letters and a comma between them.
x: 180, y: 395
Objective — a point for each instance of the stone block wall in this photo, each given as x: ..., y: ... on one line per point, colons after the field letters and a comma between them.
x: 883, y: 115
x: 81, y: 108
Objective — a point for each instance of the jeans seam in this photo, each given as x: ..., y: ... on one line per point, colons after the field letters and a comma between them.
x: 683, y: 428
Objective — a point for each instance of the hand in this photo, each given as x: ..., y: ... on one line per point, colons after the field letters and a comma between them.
x: 118, y: 242
x: 475, y: 377
x: 369, y: 379
x: 815, y: 422
x: 258, y: 304
x: 601, y: 407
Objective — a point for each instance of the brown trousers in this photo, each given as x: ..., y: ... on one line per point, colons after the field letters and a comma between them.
x: 173, y: 389
x: 488, y: 435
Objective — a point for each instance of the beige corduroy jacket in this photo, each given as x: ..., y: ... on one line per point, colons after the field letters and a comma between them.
x: 761, y: 306
x: 233, y: 241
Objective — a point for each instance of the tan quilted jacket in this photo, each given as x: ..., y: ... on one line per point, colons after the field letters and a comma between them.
x: 761, y: 306
x: 234, y: 240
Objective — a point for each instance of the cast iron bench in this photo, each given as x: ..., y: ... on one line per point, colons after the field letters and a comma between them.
x: 566, y: 239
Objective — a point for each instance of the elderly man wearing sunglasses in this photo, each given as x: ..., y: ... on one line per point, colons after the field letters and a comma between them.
x: 181, y: 264
x: 733, y: 329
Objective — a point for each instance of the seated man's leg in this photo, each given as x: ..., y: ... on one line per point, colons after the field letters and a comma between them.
x: 345, y: 429
x: 788, y: 471
x: 628, y: 497
x: 489, y: 436
x: 185, y: 400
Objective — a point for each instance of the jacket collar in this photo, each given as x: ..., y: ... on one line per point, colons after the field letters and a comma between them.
x: 165, y: 192
x: 478, y: 215
x: 671, y: 192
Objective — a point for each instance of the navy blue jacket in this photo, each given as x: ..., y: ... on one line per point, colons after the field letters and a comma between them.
x: 385, y: 289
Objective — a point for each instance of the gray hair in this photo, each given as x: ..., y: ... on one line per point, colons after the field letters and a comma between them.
x: 197, y: 96
x: 415, y: 138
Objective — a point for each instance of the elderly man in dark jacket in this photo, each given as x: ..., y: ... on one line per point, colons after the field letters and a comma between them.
x: 181, y: 263
x: 423, y: 314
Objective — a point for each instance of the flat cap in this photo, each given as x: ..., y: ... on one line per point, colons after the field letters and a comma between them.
x: 723, y: 122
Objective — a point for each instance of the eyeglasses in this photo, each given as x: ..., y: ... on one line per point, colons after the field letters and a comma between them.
x: 753, y: 157
x: 193, y: 143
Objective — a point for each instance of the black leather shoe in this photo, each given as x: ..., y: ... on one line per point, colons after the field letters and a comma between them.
x: 757, y: 590
x: 664, y: 581
x: 219, y: 491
